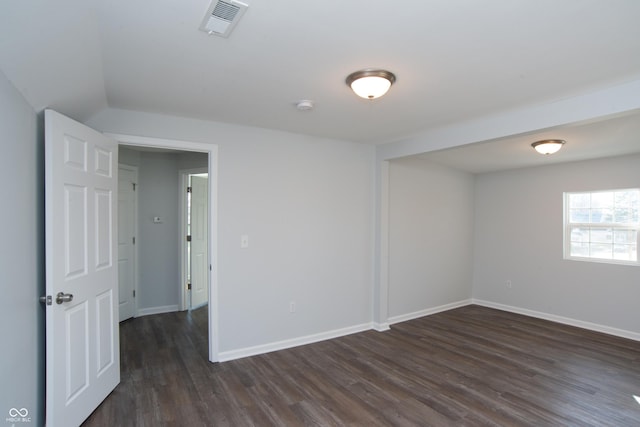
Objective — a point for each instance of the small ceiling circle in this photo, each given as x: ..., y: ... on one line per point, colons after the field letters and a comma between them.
x: 305, y: 105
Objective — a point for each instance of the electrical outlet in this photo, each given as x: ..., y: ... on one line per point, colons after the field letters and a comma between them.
x: 292, y: 307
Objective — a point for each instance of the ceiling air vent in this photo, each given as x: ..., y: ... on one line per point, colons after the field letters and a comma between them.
x: 222, y: 16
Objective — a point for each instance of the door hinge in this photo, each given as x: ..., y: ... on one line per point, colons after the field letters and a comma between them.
x: 133, y: 239
x: 188, y: 189
x: 188, y: 286
x: 134, y: 186
x: 134, y: 293
x: 188, y: 238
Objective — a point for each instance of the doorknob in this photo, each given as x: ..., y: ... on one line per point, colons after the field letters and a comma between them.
x: 62, y: 297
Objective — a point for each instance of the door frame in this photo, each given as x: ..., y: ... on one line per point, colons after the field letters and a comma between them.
x: 182, y: 194
x: 212, y: 151
x: 136, y: 255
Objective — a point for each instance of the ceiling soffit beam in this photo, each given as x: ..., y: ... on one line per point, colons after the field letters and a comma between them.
x: 615, y: 100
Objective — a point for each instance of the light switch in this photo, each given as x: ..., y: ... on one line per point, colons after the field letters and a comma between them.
x: 244, y: 241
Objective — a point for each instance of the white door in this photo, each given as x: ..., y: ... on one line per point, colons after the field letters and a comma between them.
x: 199, y: 241
x: 82, y: 350
x: 127, y: 178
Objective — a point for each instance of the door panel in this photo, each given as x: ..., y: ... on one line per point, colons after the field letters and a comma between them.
x: 104, y: 316
x: 82, y: 343
x: 76, y: 320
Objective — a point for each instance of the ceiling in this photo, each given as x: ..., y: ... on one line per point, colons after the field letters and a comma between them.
x: 455, y: 60
x: 615, y: 136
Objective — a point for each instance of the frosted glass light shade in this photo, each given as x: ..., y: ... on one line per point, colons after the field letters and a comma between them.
x: 371, y: 87
x: 370, y: 84
x: 548, y: 146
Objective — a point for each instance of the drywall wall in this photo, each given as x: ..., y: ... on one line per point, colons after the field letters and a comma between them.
x: 128, y: 156
x: 192, y: 160
x: 158, y: 242
x: 22, y: 262
x: 430, y: 236
x: 306, y: 205
x: 518, y: 225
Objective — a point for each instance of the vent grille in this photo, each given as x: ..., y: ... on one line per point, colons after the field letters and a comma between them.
x: 225, y: 11
x: 222, y: 16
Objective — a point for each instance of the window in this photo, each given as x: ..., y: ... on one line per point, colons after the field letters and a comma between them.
x: 602, y: 226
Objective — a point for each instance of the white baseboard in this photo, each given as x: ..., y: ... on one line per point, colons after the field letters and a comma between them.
x: 560, y: 319
x: 428, y: 311
x: 309, y: 339
x: 380, y: 327
x: 294, y: 342
x: 157, y: 310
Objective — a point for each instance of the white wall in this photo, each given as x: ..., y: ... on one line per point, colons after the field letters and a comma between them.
x: 519, y: 237
x: 128, y: 156
x: 192, y: 160
x: 22, y: 261
x: 158, y: 243
x: 430, y: 235
x: 306, y: 204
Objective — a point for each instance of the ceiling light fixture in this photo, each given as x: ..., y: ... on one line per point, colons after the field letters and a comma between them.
x: 548, y: 146
x: 369, y: 83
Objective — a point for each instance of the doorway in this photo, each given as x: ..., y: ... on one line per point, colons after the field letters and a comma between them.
x: 209, y: 259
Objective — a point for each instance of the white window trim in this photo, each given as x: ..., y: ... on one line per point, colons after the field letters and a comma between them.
x: 566, y: 225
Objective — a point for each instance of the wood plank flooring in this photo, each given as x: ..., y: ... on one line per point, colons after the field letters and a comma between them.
x: 471, y: 366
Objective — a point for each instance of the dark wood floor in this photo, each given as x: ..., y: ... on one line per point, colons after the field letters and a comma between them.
x: 465, y: 367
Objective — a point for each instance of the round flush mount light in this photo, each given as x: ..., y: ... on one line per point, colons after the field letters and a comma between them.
x: 548, y: 146
x: 370, y: 83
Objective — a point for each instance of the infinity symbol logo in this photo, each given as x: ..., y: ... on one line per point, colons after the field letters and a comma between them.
x: 13, y: 412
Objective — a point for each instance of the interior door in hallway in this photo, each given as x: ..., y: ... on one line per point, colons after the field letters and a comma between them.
x: 199, y: 230
x: 127, y: 182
